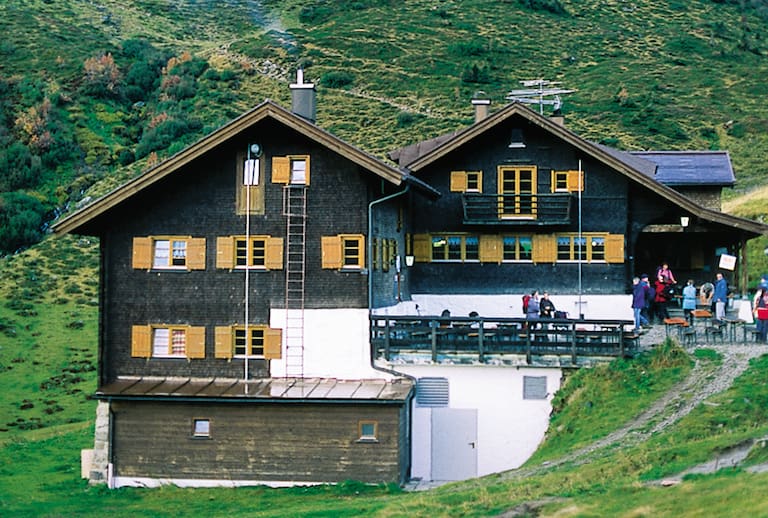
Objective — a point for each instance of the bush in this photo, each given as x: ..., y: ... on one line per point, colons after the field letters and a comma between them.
x: 552, y: 6
x: 337, y: 79
x: 21, y: 221
x: 405, y: 119
x: 475, y: 47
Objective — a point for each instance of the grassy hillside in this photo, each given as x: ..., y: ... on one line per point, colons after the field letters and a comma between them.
x: 95, y: 92
x: 92, y: 93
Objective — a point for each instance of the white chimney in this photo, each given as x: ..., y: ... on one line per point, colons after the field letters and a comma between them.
x: 303, y: 97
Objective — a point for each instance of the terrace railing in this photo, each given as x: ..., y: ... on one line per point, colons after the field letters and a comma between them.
x: 495, y: 209
x: 443, y: 338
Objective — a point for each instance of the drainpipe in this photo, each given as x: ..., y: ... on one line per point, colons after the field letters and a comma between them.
x: 369, y: 264
x: 370, y: 241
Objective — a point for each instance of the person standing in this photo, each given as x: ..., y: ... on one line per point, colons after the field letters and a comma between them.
x: 761, y: 310
x: 661, y: 300
x: 720, y: 297
x: 689, y: 300
x: 534, y: 308
x: 638, y: 303
x: 650, y: 294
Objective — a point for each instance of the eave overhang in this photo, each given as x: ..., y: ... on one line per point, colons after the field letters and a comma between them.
x: 262, y: 391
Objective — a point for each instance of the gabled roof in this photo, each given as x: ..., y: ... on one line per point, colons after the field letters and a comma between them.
x: 267, y: 109
x: 636, y: 168
x: 691, y: 168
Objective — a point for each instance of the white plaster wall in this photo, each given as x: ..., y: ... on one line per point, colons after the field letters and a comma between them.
x: 611, y: 307
x: 509, y: 428
x: 336, y: 344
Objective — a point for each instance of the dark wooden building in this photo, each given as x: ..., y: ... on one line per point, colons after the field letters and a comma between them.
x: 238, y: 280
x: 238, y: 262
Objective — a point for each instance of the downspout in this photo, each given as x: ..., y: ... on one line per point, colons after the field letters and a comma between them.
x: 369, y: 264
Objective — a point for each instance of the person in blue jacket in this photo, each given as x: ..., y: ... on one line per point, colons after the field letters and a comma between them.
x: 720, y: 296
x: 689, y: 300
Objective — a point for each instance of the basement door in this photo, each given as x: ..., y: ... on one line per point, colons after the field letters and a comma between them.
x: 454, y: 443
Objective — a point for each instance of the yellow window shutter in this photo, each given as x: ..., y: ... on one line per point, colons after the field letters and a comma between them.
x: 142, y: 253
x: 281, y: 169
x: 225, y: 252
x: 223, y: 342
x: 458, y: 181
x: 196, y: 343
x: 331, y: 250
x: 491, y: 249
x: 273, y: 255
x: 575, y: 180
x: 544, y: 248
x: 141, y: 341
x: 273, y: 343
x: 422, y: 248
x: 614, y: 248
x: 196, y: 253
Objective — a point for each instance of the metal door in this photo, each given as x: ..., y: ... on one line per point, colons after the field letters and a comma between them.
x: 454, y: 443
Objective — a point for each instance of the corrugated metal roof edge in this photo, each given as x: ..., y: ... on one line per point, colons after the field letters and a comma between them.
x: 110, y: 391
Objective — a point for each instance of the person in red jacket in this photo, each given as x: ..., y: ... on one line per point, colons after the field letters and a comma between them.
x: 662, y: 297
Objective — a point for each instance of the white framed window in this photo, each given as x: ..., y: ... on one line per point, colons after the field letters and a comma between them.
x: 169, y: 342
x: 455, y: 248
x: 517, y: 248
x: 168, y: 253
x: 250, y: 343
x: 368, y: 431
x: 201, y: 428
x: 589, y: 248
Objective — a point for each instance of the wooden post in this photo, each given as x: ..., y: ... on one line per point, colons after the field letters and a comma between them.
x: 386, y: 339
x: 480, y: 338
x: 573, y: 343
x: 528, y: 343
x: 434, y: 340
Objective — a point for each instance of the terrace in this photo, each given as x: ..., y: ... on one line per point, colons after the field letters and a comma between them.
x: 563, y: 342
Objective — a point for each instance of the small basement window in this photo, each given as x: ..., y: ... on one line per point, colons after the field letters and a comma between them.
x: 201, y: 428
x: 368, y: 431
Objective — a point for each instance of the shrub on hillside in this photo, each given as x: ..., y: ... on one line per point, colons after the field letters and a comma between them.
x: 21, y: 221
x: 337, y: 79
x: 552, y: 6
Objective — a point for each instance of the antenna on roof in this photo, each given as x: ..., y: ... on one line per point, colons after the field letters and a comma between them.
x: 543, y: 88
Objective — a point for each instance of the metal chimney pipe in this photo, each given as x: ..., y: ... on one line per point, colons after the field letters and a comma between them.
x: 303, y: 97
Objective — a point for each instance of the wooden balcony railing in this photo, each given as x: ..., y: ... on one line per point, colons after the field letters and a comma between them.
x: 495, y: 209
x: 445, y: 338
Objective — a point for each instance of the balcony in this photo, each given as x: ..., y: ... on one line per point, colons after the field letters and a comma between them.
x: 517, y: 209
x: 562, y: 342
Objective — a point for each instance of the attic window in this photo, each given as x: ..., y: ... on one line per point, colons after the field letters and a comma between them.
x: 298, y: 171
x: 516, y: 139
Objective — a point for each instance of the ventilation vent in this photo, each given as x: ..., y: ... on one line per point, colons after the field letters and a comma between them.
x: 534, y: 387
x: 432, y: 392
